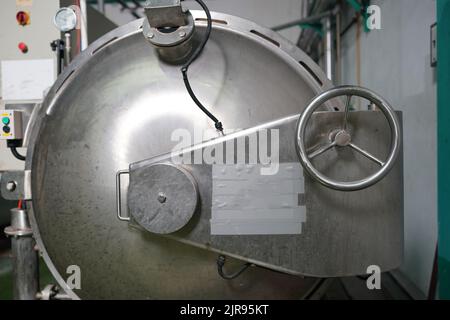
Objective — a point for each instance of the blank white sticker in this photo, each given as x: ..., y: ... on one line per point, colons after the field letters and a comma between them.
x: 26, y: 79
x: 244, y: 202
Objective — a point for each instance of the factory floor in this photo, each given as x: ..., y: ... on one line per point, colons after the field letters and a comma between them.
x: 355, y: 288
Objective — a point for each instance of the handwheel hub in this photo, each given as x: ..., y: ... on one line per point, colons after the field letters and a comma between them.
x: 342, y: 138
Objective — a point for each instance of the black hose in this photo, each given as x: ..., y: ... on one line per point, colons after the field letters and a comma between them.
x: 195, y: 55
x: 221, y: 263
x: 16, y: 154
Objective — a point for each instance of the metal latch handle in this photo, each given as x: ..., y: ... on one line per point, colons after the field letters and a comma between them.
x: 119, y: 195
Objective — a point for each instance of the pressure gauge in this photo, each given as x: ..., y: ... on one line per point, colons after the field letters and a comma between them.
x: 65, y: 19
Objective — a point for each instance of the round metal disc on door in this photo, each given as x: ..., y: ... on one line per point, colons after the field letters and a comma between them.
x: 162, y: 198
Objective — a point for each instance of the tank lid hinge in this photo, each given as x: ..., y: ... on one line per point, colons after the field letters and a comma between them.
x: 164, y: 13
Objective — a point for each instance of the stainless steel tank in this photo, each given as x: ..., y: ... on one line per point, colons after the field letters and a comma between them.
x: 118, y: 103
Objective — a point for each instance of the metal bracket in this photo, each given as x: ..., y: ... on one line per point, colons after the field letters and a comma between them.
x: 164, y: 13
x: 166, y: 23
x: 146, y: 200
x: 169, y: 29
x: 16, y: 185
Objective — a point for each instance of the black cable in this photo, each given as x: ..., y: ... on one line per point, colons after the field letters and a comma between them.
x: 195, y: 55
x: 16, y: 154
x: 58, y: 46
x: 221, y: 263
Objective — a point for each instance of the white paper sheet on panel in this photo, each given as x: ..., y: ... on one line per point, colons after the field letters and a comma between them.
x: 26, y: 79
x: 244, y: 202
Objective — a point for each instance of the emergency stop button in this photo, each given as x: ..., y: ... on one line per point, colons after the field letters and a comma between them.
x: 23, y: 18
x: 23, y: 47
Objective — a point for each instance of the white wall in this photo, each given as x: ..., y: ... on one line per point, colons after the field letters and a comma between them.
x: 267, y: 13
x: 396, y: 64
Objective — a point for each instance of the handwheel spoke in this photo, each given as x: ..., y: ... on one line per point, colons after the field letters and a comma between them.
x: 347, y: 110
x: 321, y: 150
x: 367, y: 154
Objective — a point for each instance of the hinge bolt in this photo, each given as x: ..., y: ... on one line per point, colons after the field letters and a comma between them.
x: 162, y: 197
x: 11, y: 186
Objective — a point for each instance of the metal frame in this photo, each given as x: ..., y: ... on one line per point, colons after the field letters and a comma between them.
x: 236, y: 248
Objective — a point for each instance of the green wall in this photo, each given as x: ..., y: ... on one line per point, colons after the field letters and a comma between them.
x: 443, y: 18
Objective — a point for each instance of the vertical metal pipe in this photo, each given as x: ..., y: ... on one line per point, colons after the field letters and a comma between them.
x: 25, y: 268
x: 84, y: 25
x: 101, y: 6
x: 338, y: 75
x: 25, y: 259
x: 358, y: 55
x: 328, y: 48
x: 68, y: 49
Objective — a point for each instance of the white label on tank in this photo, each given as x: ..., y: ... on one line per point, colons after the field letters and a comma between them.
x: 26, y: 79
x: 244, y: 202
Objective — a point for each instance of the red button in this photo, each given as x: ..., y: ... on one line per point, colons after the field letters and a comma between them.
x: 23, y: 18
x: 23, y: 47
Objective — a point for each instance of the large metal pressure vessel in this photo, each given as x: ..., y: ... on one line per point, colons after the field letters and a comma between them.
x: 118, y: 103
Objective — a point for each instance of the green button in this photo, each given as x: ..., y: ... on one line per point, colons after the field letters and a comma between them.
x: 5, y: 120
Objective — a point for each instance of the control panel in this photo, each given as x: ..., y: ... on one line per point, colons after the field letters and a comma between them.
x: 27, y: 63
x: 27, y: 68
x: 11, y: 125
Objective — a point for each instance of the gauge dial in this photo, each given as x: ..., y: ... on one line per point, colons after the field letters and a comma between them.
x: 65, y: 19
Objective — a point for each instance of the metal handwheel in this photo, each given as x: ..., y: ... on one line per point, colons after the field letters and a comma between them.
x: 342, y: 138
